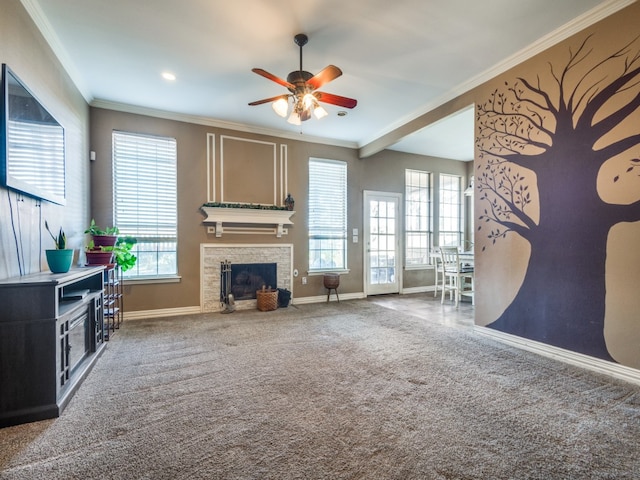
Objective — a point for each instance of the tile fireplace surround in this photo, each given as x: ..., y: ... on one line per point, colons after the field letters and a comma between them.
x: 212, y: 254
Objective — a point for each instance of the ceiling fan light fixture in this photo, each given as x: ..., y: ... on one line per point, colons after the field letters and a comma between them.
x: 281, y: 107
x: 319, y: 112
x: 309, y: 101
x: 304, y: 115
x: 304, y: 94
x: 294, y: 118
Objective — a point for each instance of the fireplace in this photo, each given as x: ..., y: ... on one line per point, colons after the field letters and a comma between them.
x: 246, y: 278
x: 212, y: 255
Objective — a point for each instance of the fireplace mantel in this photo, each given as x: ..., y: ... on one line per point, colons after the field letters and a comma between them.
x: 247, y: 220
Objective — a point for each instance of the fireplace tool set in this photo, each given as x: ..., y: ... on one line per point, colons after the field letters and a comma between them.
x: 226, y: 297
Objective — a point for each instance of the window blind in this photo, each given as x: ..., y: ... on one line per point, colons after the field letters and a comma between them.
x: 327, y: 214
x: 145, y: 198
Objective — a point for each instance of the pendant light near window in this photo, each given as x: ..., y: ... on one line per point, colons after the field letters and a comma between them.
x: 469, y: 190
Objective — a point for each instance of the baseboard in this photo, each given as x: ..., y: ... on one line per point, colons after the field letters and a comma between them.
x: 616, y: 370
x: 161, y: 312
x: 423, y: 289
x: 172, y: 312
x: 359, y: 295
x: 332, y: 298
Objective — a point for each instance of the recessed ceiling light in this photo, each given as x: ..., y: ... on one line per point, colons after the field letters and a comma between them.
x: 342, y: 113
x: 168, y: 76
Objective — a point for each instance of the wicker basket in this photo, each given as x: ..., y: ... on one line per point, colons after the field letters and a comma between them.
x: 267, y: 299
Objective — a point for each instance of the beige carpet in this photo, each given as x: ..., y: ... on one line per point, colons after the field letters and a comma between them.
x: 338, y: 391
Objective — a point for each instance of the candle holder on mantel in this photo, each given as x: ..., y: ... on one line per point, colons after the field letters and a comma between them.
x: 289, y: 202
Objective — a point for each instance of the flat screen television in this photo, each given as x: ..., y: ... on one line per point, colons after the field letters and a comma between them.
x: 32, y: 150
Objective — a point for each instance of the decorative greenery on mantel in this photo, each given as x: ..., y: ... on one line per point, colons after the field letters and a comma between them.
x: 250, y: 206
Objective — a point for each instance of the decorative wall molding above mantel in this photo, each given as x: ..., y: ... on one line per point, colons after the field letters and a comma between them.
x: 248, y: 220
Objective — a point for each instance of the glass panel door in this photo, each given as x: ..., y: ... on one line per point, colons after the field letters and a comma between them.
x: 382, y: 247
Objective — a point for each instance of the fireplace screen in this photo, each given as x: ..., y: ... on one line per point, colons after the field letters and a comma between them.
x: 246, y: 278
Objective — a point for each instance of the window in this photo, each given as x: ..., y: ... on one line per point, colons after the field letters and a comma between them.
x: 145, y: 201
x: 327, y: 215
x: 417, y: 218
x: 450, y: 211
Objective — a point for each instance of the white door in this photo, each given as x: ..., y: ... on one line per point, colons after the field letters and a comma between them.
x: 382, y: 242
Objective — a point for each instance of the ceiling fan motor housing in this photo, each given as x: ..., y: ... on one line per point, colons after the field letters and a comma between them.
x: 301, y: 39
x: 299, y: 78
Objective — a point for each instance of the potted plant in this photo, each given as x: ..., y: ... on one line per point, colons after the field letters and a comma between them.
x: 120, y: 253
x: 60, y: 258
x: 98, y: 255
x: 106, y: 237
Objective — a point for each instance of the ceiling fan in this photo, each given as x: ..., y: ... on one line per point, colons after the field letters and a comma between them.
x: 304, y: 94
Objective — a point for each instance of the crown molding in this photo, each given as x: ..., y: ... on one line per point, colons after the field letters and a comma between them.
x: 37, y: 15
x: 211, y: 122
x: 576, y: 25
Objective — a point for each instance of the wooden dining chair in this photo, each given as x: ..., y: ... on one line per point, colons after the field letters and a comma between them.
x: 458, y: 278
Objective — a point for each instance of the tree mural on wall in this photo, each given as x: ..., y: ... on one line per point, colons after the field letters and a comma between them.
x: 541, y: 149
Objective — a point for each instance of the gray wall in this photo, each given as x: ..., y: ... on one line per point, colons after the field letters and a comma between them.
x: 382, y: 172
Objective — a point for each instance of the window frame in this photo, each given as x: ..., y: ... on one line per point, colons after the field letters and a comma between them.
x: 331, y: 205
x: 451, y: 193
x: 148, y: 159
x: 424, y: 218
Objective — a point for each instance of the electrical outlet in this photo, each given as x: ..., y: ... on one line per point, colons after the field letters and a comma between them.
x: 304, y: 280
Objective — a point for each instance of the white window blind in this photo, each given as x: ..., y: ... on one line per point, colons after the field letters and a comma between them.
x: 145, y: 200
x: 327, y: 215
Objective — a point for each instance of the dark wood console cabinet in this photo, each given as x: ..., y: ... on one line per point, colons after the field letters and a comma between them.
x: 51, y: 334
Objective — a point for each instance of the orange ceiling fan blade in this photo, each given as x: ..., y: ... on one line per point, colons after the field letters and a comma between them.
x: 273, y: 78
x: 267, y: 100
x: 336, y: 99
x: 324, y: 76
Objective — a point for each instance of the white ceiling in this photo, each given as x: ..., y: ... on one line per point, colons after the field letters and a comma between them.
x: 399, y: 59
x: 452, y: 137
